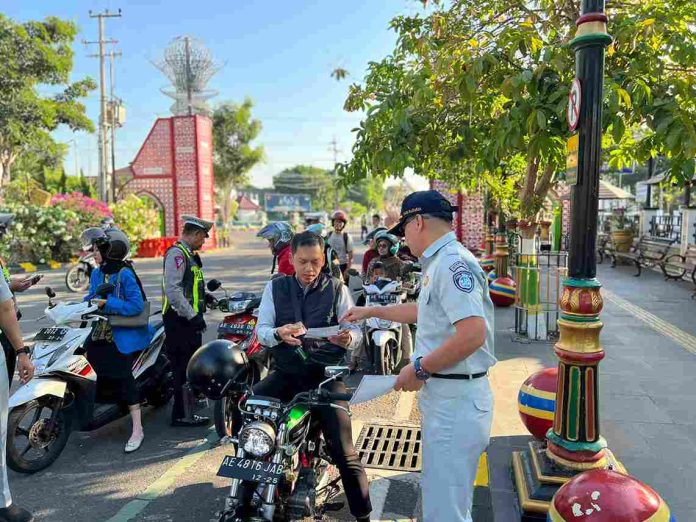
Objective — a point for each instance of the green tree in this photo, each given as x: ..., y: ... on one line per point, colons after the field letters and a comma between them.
x: 233, y: 131
x: 36, y: 55
x: 476, y: 93
x: 306, y: 179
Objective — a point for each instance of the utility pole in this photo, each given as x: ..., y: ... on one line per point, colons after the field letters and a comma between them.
x: 114, y: 120
x: 334, y: 149
x: 103, y: 178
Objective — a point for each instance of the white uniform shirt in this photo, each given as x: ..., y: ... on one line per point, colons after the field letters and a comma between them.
x: 454, y: 287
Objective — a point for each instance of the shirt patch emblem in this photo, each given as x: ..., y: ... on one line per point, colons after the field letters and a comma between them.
x: 426, y: 280
x: 464, y: 280
x: 459, y: 265
x: 179, y: 261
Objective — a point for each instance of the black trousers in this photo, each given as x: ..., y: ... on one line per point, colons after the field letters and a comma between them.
x: 335, y: 425
x: 181, y: 342
x: 10, y: 356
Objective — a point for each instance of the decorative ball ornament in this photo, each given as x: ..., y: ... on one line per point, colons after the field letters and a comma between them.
x: 603, y: 495
x: 502, y: 291
x: 487, y: 262
x: 536, y: 401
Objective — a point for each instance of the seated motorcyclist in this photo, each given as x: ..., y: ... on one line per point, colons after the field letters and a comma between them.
x: 315, y: 300
x: 332, y: 265
x: 371, y: 252
x: 392, y: 267
x: 279, y: 236
x: 112, y: 350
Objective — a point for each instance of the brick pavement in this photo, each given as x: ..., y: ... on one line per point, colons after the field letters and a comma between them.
x: 647, y: 388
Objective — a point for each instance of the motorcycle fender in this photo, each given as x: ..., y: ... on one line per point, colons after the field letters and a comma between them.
x: 381, y: 337
x: 37, y: 388
x: 147, y: 358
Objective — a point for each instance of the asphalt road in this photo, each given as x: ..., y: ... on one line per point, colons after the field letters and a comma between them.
x: 173, y: 476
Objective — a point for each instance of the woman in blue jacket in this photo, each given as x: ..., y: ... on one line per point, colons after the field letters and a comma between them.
x: 112, y: 350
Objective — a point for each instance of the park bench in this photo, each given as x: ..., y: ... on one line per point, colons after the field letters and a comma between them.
x: 679, y: 266
x: 649, y: 252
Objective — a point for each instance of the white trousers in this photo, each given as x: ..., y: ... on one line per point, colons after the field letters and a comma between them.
x: 456, y: 425
x: 6, y: 498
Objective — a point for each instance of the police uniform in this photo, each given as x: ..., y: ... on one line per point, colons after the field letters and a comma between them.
x: 5, y: 497
x: 456, y: 404
x: 183, y: 305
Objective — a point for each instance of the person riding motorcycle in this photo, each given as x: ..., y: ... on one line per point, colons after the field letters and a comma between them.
x: 340, y: 240
x: 371, y: 252
x: 279, y: 236
x: 112, y: 350
x: 387, y: 246
x: 331, y: 264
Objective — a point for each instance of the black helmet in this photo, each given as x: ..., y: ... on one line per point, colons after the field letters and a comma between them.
x: 112, y: 243
x: 213, y: 365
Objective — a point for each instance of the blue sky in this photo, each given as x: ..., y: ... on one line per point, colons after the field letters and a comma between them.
x: 278, y: 52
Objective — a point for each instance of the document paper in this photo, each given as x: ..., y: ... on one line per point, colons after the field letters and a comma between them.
x: 322, y: 333
x: 373, y: 386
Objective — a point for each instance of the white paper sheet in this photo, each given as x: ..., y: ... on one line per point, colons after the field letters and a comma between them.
x: 373, y: 386
x: 322, y: 333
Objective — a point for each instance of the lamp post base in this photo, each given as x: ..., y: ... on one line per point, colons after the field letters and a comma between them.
x: 537, y: 478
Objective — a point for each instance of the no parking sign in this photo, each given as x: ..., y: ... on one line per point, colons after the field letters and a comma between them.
x: 574, y: 103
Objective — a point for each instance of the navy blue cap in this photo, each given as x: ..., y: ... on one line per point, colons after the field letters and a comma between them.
x: 423, y: 202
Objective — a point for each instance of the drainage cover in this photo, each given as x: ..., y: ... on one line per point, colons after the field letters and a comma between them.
x: 390, y: 446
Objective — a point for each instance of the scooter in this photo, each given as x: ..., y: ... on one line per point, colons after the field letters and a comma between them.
x: 78, y: 275
x: 65, y: 393
x: 355, y: 286
x: 383, y: 337
x: 239, y: 327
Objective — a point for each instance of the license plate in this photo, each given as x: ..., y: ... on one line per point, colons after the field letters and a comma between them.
x: 251, y: 470
x: 383, y: 299
x: 50, y: 334
x: 236, y: 328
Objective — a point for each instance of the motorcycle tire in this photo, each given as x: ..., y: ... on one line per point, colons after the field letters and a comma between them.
x: 16, y: 457
x: 163, y: 393
x: 384, y: 358
x: 77, y: 279
x: 227, y: 417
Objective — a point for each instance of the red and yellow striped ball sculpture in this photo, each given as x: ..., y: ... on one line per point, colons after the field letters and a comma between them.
x: 536, y: 401
x: 493, y: 275
x: 487, y: 262
x: 602, y: 495
x: 502, y: 291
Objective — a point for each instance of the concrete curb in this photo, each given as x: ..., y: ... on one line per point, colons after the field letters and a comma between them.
x: 28, y: 268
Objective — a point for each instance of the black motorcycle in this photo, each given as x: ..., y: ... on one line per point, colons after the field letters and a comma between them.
x: 282, y: 469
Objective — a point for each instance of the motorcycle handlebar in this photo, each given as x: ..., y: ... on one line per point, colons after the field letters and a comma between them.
x: 338, y: 396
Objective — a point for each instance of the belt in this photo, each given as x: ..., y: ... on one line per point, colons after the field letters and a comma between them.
x: 459, y: 376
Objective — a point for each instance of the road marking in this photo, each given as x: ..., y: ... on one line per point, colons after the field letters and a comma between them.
x: 682, y: 338
x: 164, y: 482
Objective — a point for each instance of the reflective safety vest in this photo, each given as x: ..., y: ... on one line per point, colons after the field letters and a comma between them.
x: 193, y: 284
x: 5, y: 271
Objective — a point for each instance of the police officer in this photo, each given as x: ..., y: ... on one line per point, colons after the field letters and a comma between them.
x: 454, y: 351
x: 183, y: 306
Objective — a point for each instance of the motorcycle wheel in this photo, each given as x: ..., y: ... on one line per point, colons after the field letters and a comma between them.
x: 227, y: 417
x: 77, y: 279
x: 384, y: 359
x: 45, y: 447
x: 164, y: 392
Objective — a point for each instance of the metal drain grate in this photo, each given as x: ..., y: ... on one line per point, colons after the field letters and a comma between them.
x: 390, y: 446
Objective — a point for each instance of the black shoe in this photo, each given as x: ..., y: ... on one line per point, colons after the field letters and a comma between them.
x: 196, y: 420
x: 14, y: 513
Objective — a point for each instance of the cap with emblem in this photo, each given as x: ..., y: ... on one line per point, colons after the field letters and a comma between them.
x: 198, y: 222
x: 429, y: 202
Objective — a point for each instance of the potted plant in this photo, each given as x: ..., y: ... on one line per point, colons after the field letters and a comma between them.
x: 622, y: 230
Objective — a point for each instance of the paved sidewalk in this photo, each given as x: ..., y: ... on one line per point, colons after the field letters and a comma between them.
x: 647, y: 387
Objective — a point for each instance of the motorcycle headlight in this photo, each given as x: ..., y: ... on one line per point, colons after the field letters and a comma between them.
x: 257, y: 438
x: 238, y: 306
x: 384, y: 324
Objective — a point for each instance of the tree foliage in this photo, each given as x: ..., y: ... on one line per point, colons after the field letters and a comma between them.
x: 476, y: 92
x: 234, y: 130
x: 35, y: 55
x: 306, y: 179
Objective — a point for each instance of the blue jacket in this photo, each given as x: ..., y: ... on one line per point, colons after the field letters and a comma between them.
x: 128, y: 302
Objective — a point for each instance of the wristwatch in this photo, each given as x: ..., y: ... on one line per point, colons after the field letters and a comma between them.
x: 22, y: 350
x: 276, y: 336
x: 421, y: 374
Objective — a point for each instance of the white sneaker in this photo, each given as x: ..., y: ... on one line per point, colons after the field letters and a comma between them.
x: 134, y: 445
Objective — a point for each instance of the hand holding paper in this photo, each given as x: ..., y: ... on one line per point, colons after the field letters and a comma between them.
x: 373, y: 386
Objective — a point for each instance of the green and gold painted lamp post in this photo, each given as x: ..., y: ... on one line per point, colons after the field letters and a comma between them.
x: 574, y: 444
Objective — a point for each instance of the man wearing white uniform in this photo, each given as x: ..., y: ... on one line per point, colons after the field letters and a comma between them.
x: 453, y: 353
x: 10, y: 512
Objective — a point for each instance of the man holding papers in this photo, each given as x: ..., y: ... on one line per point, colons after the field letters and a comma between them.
x: 295, y: 315
x: 453, y: 352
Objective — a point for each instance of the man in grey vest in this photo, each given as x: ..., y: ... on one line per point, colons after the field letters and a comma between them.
x: 289, y: 305
x: 183, y: 305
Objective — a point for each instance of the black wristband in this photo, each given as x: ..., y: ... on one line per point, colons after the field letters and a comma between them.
x: 277, y: 337
x: 22, y: 350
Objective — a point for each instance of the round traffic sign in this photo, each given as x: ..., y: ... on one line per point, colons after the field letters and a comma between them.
x: 574, y: 102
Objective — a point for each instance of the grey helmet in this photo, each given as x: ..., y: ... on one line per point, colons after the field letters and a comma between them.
x: 319, y: 229
x: 278, y: 234
x: 112, y: 243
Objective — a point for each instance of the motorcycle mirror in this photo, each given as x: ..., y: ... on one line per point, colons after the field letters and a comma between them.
x: 105, y: 289
x: 50, y: 293
x: 213, y: 285
x: 336, y: 371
